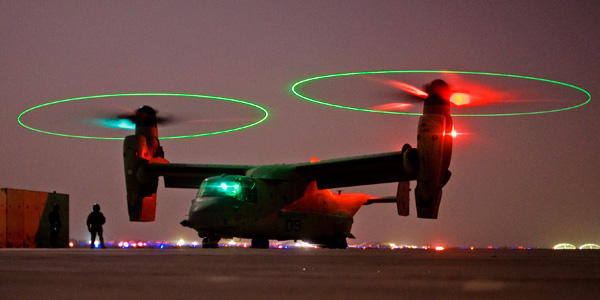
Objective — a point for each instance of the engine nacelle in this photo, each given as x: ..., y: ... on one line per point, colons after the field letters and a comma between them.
x: 434, y: 148
x: 141, y: 188
x: 139, y: 150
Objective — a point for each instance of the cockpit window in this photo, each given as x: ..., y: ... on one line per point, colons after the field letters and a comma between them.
x: 239, y: 187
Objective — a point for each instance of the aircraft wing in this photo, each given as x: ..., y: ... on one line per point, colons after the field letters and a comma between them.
x: 192, y: 175
x: 360, y: 170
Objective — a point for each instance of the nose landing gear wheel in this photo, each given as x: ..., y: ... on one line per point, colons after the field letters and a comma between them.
x: 210, y: 242
x: 338, y: 241
x: 260, y: 243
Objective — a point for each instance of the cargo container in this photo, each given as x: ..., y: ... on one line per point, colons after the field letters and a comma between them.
x: 24, y: 218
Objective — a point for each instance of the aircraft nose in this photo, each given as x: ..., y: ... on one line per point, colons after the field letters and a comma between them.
x: 202, y: 213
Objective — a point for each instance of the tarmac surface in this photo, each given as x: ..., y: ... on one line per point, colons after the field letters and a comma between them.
x: 238, y: 273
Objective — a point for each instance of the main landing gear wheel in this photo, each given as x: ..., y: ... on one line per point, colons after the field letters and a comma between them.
x: 338, y: 241
x: 260, y: 243
x: 210, y: 242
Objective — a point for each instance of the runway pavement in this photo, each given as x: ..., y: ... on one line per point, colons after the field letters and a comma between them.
x: 238, y: 273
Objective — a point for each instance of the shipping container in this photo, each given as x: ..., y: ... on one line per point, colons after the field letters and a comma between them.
x: 25, y: 222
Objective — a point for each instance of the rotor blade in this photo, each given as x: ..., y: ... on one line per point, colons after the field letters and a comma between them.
x: 223, y: 120
x: 415, y: 92
x: 392, y: 107
x: 465, y: 92
x: 402, y: 91
x: 410, y: 89
x: 127, y: 121
x: 119, y: 123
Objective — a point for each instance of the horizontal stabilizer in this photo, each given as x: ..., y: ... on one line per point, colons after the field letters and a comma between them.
x: 380, y: 200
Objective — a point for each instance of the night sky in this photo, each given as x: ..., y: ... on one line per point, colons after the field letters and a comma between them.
x: 517, y: 181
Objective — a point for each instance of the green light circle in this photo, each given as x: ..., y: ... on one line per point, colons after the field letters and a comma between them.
x: 147, y: 94
x: 297, y: 84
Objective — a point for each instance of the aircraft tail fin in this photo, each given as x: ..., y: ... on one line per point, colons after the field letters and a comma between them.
x: 403, y: 198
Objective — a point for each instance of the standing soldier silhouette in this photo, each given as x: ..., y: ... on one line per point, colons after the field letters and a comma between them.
x: 95, y: 220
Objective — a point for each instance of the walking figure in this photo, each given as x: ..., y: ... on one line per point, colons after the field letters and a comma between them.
x: 95, y: 220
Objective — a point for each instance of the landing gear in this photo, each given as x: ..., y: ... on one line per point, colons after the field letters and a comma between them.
x: 260, y: 243
x: 337, y: 241
x: 211, y: 242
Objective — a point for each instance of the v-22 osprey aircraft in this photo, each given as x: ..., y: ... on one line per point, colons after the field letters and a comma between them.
x: 291, y: 201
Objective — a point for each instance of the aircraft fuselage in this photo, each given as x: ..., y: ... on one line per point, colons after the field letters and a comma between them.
x: 238, y: 206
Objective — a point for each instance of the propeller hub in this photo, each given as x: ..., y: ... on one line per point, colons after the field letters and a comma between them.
x: 438, y: 100
x: 438, y: 93
x: 145, y: 116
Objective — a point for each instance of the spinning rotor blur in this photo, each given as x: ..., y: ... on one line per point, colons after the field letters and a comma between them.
x: 504, y: 99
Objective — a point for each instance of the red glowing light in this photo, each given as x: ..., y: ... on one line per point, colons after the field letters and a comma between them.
x: 439, y: 248
x: 471, y: 93
x: 460, y: 99
x: 453, y: 133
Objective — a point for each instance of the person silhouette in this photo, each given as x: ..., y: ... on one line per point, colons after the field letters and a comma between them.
x: 55, y: 225
x: 95, y: 220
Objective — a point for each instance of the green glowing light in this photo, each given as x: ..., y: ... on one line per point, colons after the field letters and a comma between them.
x: 230, y: 190
x: 301, y: 82
x: 266, y: 114
x: 116, y: 123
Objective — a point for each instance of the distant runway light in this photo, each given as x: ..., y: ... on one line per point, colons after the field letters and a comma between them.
x: 439, y: 248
